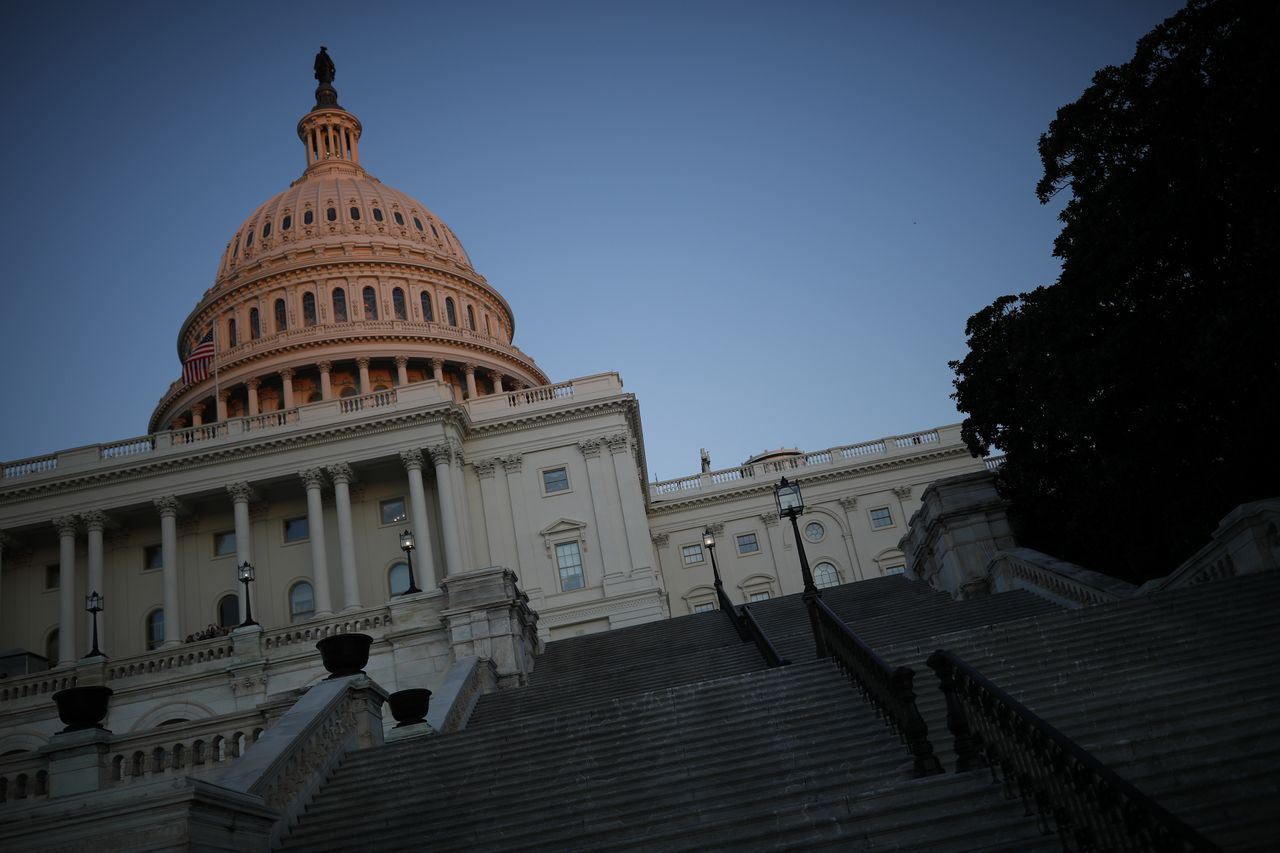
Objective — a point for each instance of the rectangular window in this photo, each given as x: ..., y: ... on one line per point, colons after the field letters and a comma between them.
x: 52, y: 576
x: 747, y: 543
x: 703, y: 607
x: 224, y: 544
x: 895, y: 570
x: 691, y: 554
x: 152, y: 558
x: 555, y: 480
x: 391, y: 511
x: 881, y: 517
x: 569, y: 561
x: 297, y: 529
x: 759, y: 596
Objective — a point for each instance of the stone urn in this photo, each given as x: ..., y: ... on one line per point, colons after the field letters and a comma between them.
x: 83, y: 707
x: 345, y: 654
x: 410, y: 706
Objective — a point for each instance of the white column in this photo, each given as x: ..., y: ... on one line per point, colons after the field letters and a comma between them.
x: 222, y: 405
x: 197, y: 414
x: 496, y: 378
x: 286, y: 384
x: 849, y: 504
x: 326, y: 387
x: 425, y: 568
x: 437, y: 370
x: 94, y: 522
x: 612, y: 544
x: 462, y: 507
x: 168, y: 507
x: 441, y: 455
x: 363, y: 364
x: 252, y: 384
x: 525, y: 558
x: 342, y: 475
x: 631, y: 498
x: 469, y: 370
x: 402, y: 370
x: 66, y: 588
x: 240, y: 495
x: 498, y: 523
x: 313, y: 479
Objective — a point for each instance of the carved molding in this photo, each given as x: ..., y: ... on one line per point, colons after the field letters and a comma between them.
x: 849, y: 504
x: 67, y: 525
x: 769, y: 518
x: 618, y: 443
x: 411, y: 459
x: 513, y: 463
x: 340, y: 472
x: 590, y: 448
x: 94, y: 519
x: 168, y: 506
x: 441, y: 454
x: 485, y: 467
x: 903, y: 492
x: 312, y: 478
x: 660, y: 539
x: 240, y: 492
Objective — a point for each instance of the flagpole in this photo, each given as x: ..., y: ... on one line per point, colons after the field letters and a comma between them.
x: 215, y: 373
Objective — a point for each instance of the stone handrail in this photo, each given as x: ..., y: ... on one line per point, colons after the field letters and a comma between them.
x: 373, y: 621
x: 770, y: 468
x: 1057, y: 580
x: 30, y: 465
x: 463, y: 685
x: 23, y: 777
x: 575, y: 390
x: 36, y: 684
x: 296, y: 755
x: 216, y: 652
x: 1246, y: 540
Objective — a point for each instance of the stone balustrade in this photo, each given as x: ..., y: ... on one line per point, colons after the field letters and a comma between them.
x: 727, y: 478
x: 1057, y: 580
x: 36, y: 685
x: 544, y: 396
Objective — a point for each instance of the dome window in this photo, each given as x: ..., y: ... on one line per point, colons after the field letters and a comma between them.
x: 339, y: 305
x: 399, y: 218
x: 450, y: 311
x: 397, y: 304
x: 434, y: 231
x: 355, y: 214
x: 308, y: 309
x: 331, y: 214
x: 232, y: 335
x: 255, y: 325
x: 370, y: 304
x: 308, y: 217
x: 471, y: 318
x: 286, y: 223
x: 426, y: 307
x: 235, y: 249
x: 282, y: 322
x: 377, y: 214
x: 266, y: 230
x: 417, y: 222
x: 248, y: 240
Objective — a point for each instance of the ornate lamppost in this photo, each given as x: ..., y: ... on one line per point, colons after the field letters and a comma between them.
x: 93, y: 602
x: 407, y: 545
x: 709, y: 542
x: 245, y: 573
x: 791, y: 504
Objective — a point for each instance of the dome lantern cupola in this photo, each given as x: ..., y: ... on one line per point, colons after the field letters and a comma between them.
x: 330, y: 134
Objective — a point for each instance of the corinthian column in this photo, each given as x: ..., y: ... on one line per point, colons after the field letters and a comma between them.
x: 240, y: 496
x: 66, y: 588
x: 402, y: 370
x: 363, y: 364
x: 342, y: 475
x: 469, y: 370
x: 94, y: 522
x: 441, y: 456
x: 252, y: 384
x: 437, y: 370
x: 313, y: 479
x: 326, y: 386
x: 168, y: 507
x: 286, y: 386
x: 412, y: 460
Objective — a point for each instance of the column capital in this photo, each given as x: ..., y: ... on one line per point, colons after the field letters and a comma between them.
x: 197, y: 408
x: 402, y: 361
x: 312, y: 478
x: 363, y: 362
x: 437, y: 364
x: 240, y: 492
x: 495, y: 376
x: 94, y: 519
x: 769, y: 518
x: 67, y: 525
x: 903, y: 492
x: 848, y: 504
x: 590, y: 447
x: 223, y: 395
x: 168, y: 505
x: 324, y: 366
x: 717, y: 528
x: 441, y: 453
x: 617, y: 443
x: 485, y: 467
x: 287, y: 373
x: 411, y: 459
x: 660, y: 539
x: 340, y: 472
x: 469, y: 368
x: 253, y: 382
x: 512, y: 464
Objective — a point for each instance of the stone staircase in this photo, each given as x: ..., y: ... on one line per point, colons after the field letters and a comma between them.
x: 674, y: 735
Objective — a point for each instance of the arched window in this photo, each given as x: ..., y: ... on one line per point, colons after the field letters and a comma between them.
x: 355, y: 214
x: 348, y: 391
x: 417, y: 222
x: 286, y: 223
x: 370, y: 304
x: 825, y: 574
x: 255, y: 324
x: 232, y: 337
x: 308, y: 309
x: 398, y: 578
x: 248, y: 240
x: 302, y: 602
x: 155, y: 629
x: 266, y: 230
x: 339, y: 305
x: 471, y: 318
x: 397, y: 304
x: 450, y: 312
x: 426, y: 307
x: 331, y: 214
x: 51, y: 648
x: 399, y: 218
x: 308, y: 217
x: 228, y: 611
x: 282, y: 321
x: 377, y: 214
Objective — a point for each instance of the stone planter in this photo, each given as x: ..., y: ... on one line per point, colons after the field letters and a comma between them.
x: 410, y: 706
x: 345, y: 654
x: 83, y: 707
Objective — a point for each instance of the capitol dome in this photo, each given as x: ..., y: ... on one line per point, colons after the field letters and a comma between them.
x: 340, y: 286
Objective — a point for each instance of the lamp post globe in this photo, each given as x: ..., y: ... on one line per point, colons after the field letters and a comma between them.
x: 245, y: 573
x: 407, y: 544
x: 709, y: 542
x: 94, y: 603
x: 791, y: 504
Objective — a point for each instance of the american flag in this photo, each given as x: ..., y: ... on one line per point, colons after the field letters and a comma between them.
x: 195, y: 368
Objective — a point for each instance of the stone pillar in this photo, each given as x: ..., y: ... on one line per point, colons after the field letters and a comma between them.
x: 342, y: 475
x: 498, y: 525
x: 777, y: 541
x: 313, y: 479
x: 849, y: 504
x: 286, y: 386
x: 197, y: 414
x: 402, y: 370
x: 326, y: 387
x: 961, y: 525
x: 511, y: 466
x: 240, y: 495
x: 496, y: 378
x: 441, y: 456
x: 437, y: 370
x: 461, y: 506
x: 66, y: 589
x: 94, y: 522
x: 4, y: 540
x: 425, y: 565
x: 222, y: 405
x: 626, y: 476
x: 168, y: 507
x: 252, y: 384
x: 363, y: 364
x: 611, y: 546
x: 469, y: 370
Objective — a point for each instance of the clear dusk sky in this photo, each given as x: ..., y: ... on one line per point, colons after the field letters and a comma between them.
x: 772, y: 219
